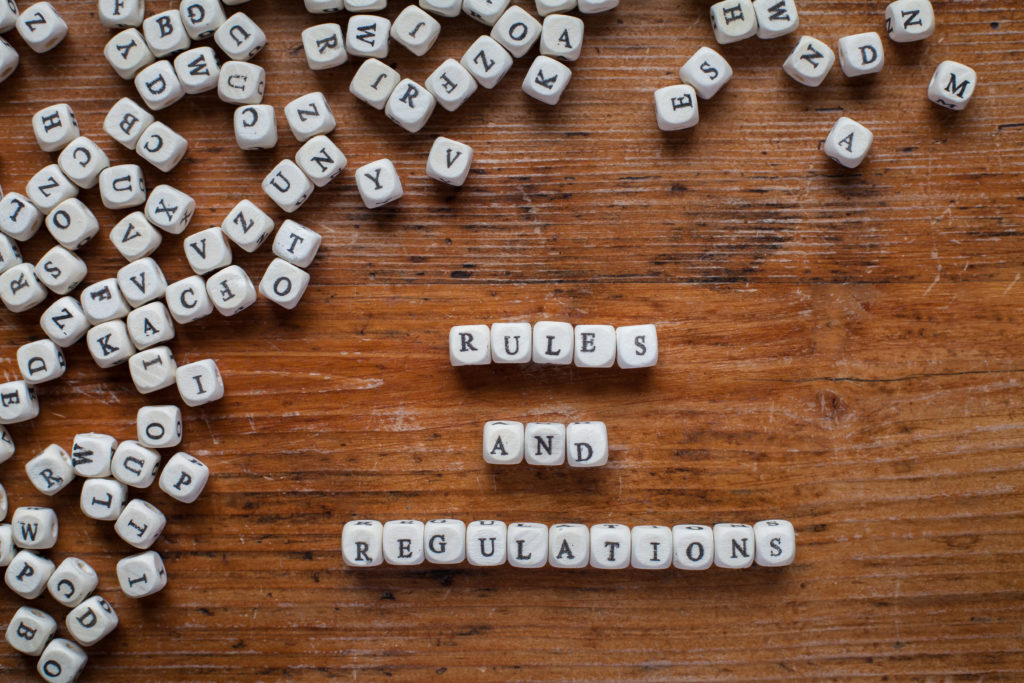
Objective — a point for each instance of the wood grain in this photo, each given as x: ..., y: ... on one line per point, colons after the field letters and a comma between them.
x: 838, y: 348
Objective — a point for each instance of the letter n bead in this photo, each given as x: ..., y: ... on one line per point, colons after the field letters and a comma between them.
x: 62, y: 661
x: 321, y: 160
x: 734, y: 545
x: 486, y: 543
x: 284, y: 284
x: 362, y: 543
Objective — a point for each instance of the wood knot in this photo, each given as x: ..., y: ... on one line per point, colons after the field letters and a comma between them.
x: 831, y: 405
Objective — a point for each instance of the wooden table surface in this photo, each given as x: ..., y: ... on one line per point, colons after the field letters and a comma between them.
x: 838, y: 348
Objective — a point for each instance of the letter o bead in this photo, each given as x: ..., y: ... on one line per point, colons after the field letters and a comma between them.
x: 284, y: 284
x: 693, y: 547
x: 362, y: 543
x: 734, y: 545
x: 62, y: 661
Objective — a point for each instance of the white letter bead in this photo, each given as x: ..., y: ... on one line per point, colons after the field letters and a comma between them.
x: 861, y: 54
x: 610, y: 546
x: 486, y: 543
x: 527, y: 545
x: 200, y: 383
x: 91, y: 621
x: 54, y: 127
x: 952, y: 85
x: 546, y: 7
x: 82, y: 161
x: 595, y: 6
x: 8, y: 15
x: 18, y: 402
x: 40, y: 361
x: 365, y: 5
x: 561, y: 36
x: 374, y: 82
x: 153, y: 369
x: 162, y: 147
x: 103, y: 301
x: 469, y: 345
x: 103, y: 499
x: 284, y: 284
x: 774, y: 543
x: 487, y: 60
x: 361, y: 543
x: 288, y: 186
x: 91, y: 454
x: 511, y: 342
x: 201, y: 17
x: 61, y: 270
x: 552, y: 343
x: 7, y: 549
x: 9, y: 60
x: 20, y: 288
x: 19, y: 217
x: 486, y: 12
x: 188, y: 300
x: 545, y: 443
x: 503, y: 442
x: 34, y: 528
x: 198, y: 70
x: 651, y: 547
x: 231, y: 291
x: 595, y: 346
x: 140, y: 524
x: 30, y: 630
x: 637, y: 346
x: 451, y: 85
x: 207, y: 250
x: 41, y: 27
x: 848, y: 143
x: 72, y: 582
x: 324, y: 45
x: 255, y: 127
x: 403, y: 542
x: 416, y: 30
x: 367, y: 36
x: 569, y: 546
x: 158, y: 85
x: 49, y: 187
x: 410, y: 105
x: 775, y: 18
x: 586, y: 444
x: 734, y: 545
x: 121, y: 13
x: 64, y: 321
x: 170, y: 209
x: 241, y: 83
x: 184, y: 478
x: 62, y: 661
x: 159, y: 426
x: 149, y: 325
x: 733, y: 20
x: 240, y: 37
x: 296, y: 244
x: 134, y: 237
x: 165, y: 33
x: 10, y: 255
x: 109, y: 343
x: 378, y: 183
x: 28, y: 573
x: 122, y: 187
x: 321, y: 160
x: 809, y: 62
x: 135, y: 465
x: 693, y: 547
x: 909, y: 20
x: 142, y: 575
x: 442, y: 8
x: 676, y: 107
x: 516, y: 30
x: 3, y: 491
x: 707, y: 71
x: 72, y: 224
x: 128, y: 53
x: 126, y: 121
x: 444, y: 540
x: 141, y: 281
x: 247, y: 225
x: 546, y: 80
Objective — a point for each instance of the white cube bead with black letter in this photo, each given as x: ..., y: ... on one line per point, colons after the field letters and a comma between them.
x: 284, y: 284
x: 378, y: 183
x: 165, y: 33
x: 18, y: 403
x: 952, y: 85
x: 41, y: 27
x: 288, y: 186
x: 410, y: 105
x: 610, y: 546
x: 41, y: 361
x: 546, y: 80
x: 527, y: 545
x: 72, y: 582
x: 92, y: 621
x: 62, y: 661
x: 91, y: 454
x: 324, y: 45
x: 734, y: 545
x: 201, y: 17
x: 82, y: 161
x: 255, y: 127
x: 207, y: 250
x: 28, y: 573
x: 561, y: 37
x: 809, y: 62
x: 516, y: 30
x: 240, y: 37
x: 403, y: 542
x: 861, y: 54
x: 61, y: 270
x: 693, y: 547
x: 651, y: 547
x: 504, y: 442
x: 774, y: 543
x: 10, y: 255
x: 707, y: 71
x: 485, y: 11
x: 158, y: 85
x: 733, y: 20
x: 546, y: 7
x: 162, y: 147
x: 72, y: 224
x: 49, y: 187
x: 149, y: 325
x: 140, y: 524
x: 3, y: 495
x: 121, y: 13
x: 198, y: 70
x: 552, y: 343
x: 596, y: 6
x: 442, y: 8
x: 449, y: 161
x: 909, y: 20
x: 487, y: 60
x: 125, y: 122
x: 511, y: 342
x: 451, y: 84
x: 134, y: 237
x: 103, y: 301
x: 109, y: 343
x: 9, y: 60
x: 153, y: 369
x: 594, y: 347
x: 7, y: 549
x: 184, y: 478
x: 444, y: 541
x: 19, y: 217
x: 569, y: 546
x: 362, y: 543
x: 324, y: 6
x: 103, y: 499
x: 848, y: 143
x: 636, y: 346
x: 159, y: 426
x: 170, y: 209
x: 296, y: 244
x: 545, y: 443
x: 142, y: 575
x: 35, y: 528
x: 321, y: 160
x: 241, y: 83
x: 188, y: 300
x: 309, y: 115
x: 486, y: 543
x: 469, y: 345
x: 675, y: 107
x: 775, y: 18
x: 122, y: 187
x: 127, y: 53
x: 367, y: 35
x: 415, y: 30
x: 141, y: 281
x: 30, y: 630
x: 231, y: 290
x: 365, y: 5
x: 199, y: 383
x: 64, y: 321
x: 135, y: 465
x: 586, y: 444
x: 373, y: 83
x: 55, y: 126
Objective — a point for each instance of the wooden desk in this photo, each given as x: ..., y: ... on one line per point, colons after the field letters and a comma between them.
x: 838, y: 348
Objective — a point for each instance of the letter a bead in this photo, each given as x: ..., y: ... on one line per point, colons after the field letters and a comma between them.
x: 848, y: 143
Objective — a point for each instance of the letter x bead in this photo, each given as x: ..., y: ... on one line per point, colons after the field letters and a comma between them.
x: 848, y: 143
x: 378, y: 183
x: 170, y: 209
